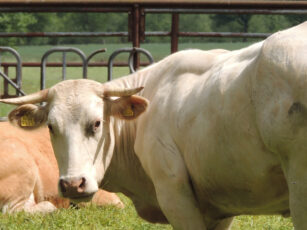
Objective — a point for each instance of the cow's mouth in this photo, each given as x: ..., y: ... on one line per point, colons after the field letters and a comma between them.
x: 83, y: 198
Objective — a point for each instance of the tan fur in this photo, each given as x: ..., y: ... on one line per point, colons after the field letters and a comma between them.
x: 28, y: 166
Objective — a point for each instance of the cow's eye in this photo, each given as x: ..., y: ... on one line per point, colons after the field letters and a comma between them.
x: 50, y: 128
x: 97, y: 124
x: 92, y: 128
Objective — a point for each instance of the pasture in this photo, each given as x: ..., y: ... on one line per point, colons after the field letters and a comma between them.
x: 93, y: 217
x: 110, y: 218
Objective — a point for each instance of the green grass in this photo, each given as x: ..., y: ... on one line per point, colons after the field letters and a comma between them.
x: 110, y: 218
x: 89, y: 218
x: 94, y: 217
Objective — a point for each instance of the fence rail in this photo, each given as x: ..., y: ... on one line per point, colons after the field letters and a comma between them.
x: 137, y: 11
x: 16, y: 82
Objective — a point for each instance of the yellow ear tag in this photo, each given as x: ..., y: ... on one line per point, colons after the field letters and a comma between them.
x: 128, y: 112
x: 26, y: 121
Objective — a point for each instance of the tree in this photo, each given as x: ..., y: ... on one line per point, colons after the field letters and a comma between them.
x: 15, y: 22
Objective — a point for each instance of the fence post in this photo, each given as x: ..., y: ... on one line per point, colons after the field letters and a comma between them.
x: 136, y: 34
x: 6, y: 84
x: 174, y: 32
x: 16, y: 83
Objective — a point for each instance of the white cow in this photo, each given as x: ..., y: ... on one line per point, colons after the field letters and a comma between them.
x: 224, y: 134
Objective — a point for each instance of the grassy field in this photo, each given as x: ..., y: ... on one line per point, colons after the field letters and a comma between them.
x: 110, y: 218
x: 94, y: 217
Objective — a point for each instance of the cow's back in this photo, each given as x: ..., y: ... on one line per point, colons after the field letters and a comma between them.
x: 30, y: 151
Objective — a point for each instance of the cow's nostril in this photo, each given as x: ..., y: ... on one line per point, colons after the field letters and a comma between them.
x: 81, y: 187
x: 72, y: 187
x: 63, y: 185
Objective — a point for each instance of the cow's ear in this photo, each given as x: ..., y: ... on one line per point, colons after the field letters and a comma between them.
x: 28, y: 116
x: 128, y: 108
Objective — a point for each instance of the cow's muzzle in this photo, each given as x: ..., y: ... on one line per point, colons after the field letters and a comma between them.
x: 74, y: 188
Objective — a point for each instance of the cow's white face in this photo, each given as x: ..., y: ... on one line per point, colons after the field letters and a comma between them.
x: 76, y: 130
x: 79, y: 114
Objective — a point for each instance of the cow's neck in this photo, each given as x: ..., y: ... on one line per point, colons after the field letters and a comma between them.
x: 125, y: 173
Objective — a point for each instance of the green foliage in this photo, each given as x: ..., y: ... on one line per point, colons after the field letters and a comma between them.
x: 271, y: 25
x: 93, y: 22
x: 20, y: 22
x: 116, y: 22
x: 231, y: 23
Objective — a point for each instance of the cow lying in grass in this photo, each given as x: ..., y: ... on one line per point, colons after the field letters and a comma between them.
x: 29, y: 173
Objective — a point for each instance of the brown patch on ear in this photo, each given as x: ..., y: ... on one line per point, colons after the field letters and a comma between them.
x: 128, y: 108
x: 28, y: 116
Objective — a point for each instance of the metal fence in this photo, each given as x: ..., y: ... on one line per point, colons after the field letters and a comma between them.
x: 85, y: 63
x: 137, y: 11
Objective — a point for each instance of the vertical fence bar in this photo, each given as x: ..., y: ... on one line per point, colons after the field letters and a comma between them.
x: 6, y: 84
x: 132, y: 51
x: 136, y: 34
x: 64, y: 66
x: 142, y: 25
x: 62, y: 50
x: 16, y: 83
x: 130, y: 26
x: 174, y: 32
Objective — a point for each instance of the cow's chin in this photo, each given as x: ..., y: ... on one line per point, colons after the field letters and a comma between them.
x: 77, y: 200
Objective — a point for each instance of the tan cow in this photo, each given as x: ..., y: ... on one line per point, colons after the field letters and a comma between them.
x: 212, y: 135
x: 29, y: 173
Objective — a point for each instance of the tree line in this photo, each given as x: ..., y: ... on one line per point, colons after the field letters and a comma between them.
x: 116, y: 22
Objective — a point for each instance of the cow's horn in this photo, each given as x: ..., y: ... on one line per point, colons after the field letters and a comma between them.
x: 33, y: 98
x: 112, y: 92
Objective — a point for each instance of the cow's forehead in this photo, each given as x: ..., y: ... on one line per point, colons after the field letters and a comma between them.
x: 75, y: 101
x: 74, y: 88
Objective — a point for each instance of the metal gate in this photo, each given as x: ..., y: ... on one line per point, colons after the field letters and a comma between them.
x: 16, y: 82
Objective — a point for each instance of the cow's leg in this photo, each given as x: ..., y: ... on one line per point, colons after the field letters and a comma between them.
x: 176, y: 198
x: 298, y: 203
x: 297, y: 199
x: 224, y: 224
x: 28, y: 205
x: 295, y: 171
x: 177, y: 202
x: 103, y: 198
x: 42, y: 207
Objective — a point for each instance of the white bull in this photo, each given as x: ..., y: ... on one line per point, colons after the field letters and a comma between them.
x: 224, y: 134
